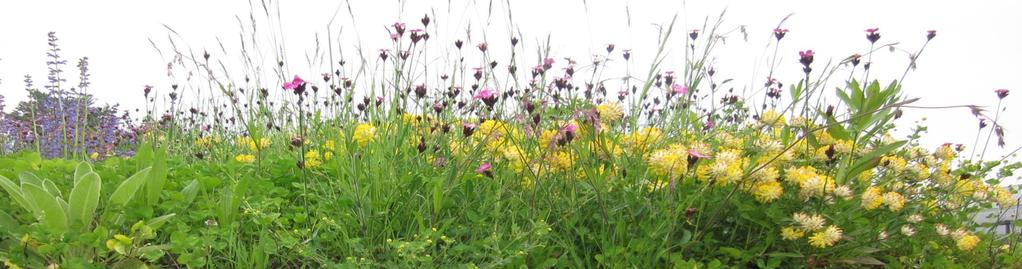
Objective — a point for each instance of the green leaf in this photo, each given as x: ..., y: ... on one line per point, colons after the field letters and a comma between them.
x: 123, y: 194
x: 867, y: 161
x: 80, y: 171
x: 51, y: 212
x: 157, y: 176
x: 51, y: 188
x: 15, y: 192
x: 189, y: 192
x: 7, y: 223
x: 156, y: 222
x: 29, y: 178
x: 84, y: 198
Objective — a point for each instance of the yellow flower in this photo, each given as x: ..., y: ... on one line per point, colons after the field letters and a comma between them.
x: 670, y: 162
x: 727, y: 168
x: 872, y: 198
x: 546, y: 139
x: 768, y: 191
x: 245, y: 158
x: 251, y: 144
x: 792, y: 233
x: 827, y: 237
x: 1004, y: 197
x: 312, y: 159
x: 94, y: 155
x: 560, y: 160
x: 364, y: 133
x: 639, y: 141
x: 895, y: 163
x: 967, y: 242
x: 772, y: 118
x: 894, y: 201
x: 329, y: 145
x: 610, y: 112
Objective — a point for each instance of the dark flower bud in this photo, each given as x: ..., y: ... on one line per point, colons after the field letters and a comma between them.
x: 425, y: 20
x: 873, y: 35
x: 420, y: 91
x: 931, y: 34
x: 458, y: 43
x: 693, y: 34
x: 514, y: 41
x: 610, y: 48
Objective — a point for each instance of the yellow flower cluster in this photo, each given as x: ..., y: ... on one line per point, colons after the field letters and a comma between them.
x: 252, y: 144
x: 364, y: 133
x: 826, y: 237
x: 671, y: 162
x: 245, y: 158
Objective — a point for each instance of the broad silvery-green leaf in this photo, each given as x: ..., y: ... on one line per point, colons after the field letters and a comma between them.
x: 85, y: 198
x: 80, y: 171
x: 51, y: 188
x: 15, y: 192
x: 51, y: 212
x: 190, y: 191
x: 29, y: 178
x: 157, y: 222
x: 123, y: 194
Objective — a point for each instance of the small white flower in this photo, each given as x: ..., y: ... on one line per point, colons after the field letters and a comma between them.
x: 915, y: 218
x: 907, y: 230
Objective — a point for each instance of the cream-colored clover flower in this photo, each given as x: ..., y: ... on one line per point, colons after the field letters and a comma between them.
x: 967, y: 242
x: 915, y: 218
x: 809, y: 222
x: 768, y: 191
x: 772, y: 118
x: 941, y: 229
x: 908, y: 230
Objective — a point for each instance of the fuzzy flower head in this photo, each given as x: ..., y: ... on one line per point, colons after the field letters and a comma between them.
x: 610, y: 112
x: 792, y: 233
x: 768, y: 191
x: 809, y: 222
x: 826, y: 237
x: 671, y: 162
x: 967, y: 242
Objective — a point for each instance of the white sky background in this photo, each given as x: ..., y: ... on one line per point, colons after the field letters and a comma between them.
x: 978, y: 47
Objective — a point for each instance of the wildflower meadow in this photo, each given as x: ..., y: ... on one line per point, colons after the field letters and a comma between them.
x: 454, y: 149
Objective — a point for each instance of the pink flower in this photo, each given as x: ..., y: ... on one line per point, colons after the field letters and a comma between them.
x: 1001, y: 93
x: 486, y: 93
x: 484, y: 168
x: 872, y: 35
x: 548, y: 62
x: 872, y: 30
x: 679, y: 89
x: 931, y: 34
x: 294, y: 84
x: 779, y: 33
x: 569, y: 128
x: 697, y: 154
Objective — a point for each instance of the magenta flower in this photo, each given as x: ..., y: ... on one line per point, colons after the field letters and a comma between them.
x: 931, y: 34
x: 872, y: 35
x: 679, y: 89
x: 1001, y: 93
x: 548, y: 63
x: 779, y: 33
x: 569, y: 128
x: 484, y: 168
x: 806, y: 58
x: 399, y: 27
x: 294, y: 84
x: 486, y: 93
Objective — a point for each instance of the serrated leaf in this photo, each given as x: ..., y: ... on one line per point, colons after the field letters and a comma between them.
x: 126, y: 191
x: 84, y: 198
